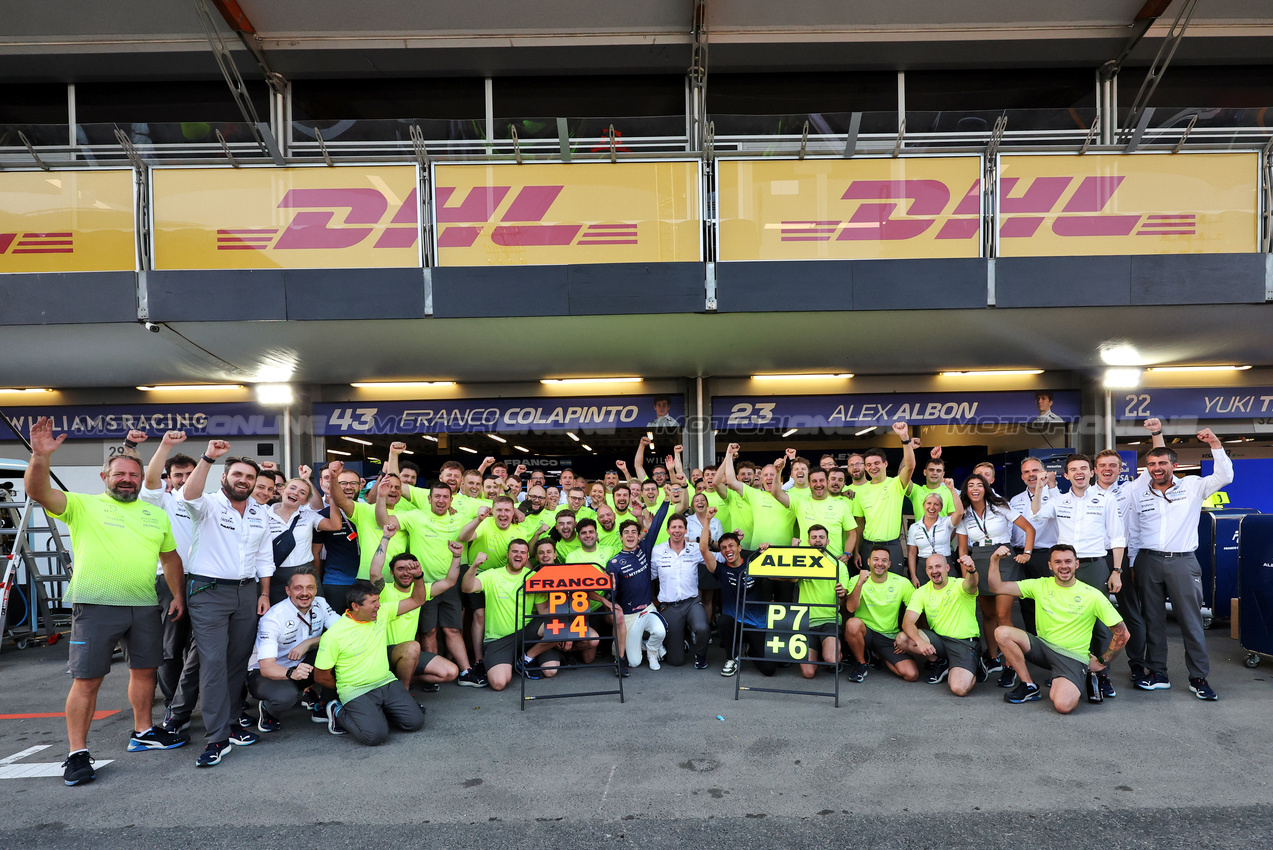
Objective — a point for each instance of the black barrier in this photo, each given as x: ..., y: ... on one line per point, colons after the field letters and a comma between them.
x: 570, y: 590
x: 787, y: 633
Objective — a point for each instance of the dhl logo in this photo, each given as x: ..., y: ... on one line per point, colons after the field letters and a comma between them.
x: 1022, y: 214
x: 461, y: 224
x: 37, y: 243
x: 310, y: 229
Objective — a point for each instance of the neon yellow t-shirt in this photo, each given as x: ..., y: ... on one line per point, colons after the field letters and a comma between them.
x: 741, y: 514
x: 724, y: 514
x: 355, y: 652
x: 1065, y: 615
x: 115, y: 546
x: 500, y: 587
x: 402, y: 627
x: 919, y: 494
x: 881, y: 602
x: 493, y: 540
x: 836, y: 515
x: 772, y: 522
x: 951, y: 610
x: 822, y: 592
x: 881, y: 506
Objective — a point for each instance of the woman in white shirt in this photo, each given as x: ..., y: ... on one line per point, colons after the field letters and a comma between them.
x: 987, y: 524
x: 291, y: 526
x: 931, y: 533
x: 697, y: 520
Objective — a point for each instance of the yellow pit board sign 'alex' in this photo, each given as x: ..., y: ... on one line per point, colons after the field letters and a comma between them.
x: 793, y: 562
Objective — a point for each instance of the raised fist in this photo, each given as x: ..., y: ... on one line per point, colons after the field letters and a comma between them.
x: 732, y: 449
x: 217, y: 448
x: 397, y: 447
x: 900, y: 429
x: 1002, y: 552
x: 789, y: 454
x: 1209, y: 438
x: 1153, y: 424
x: 304, y: 471
x: 484, y: 512
x: 1051, y: 478
x: 678, y: 449
x: 335, y: 468
x: 711, y: 512
x: 949, y: 482
x: 456, y: 547
x: 172, y: 438
x: 391, y: 527
x: 520, y: 470
x: 621, y: 465
x: 481, y: 558
x: 646, y: 441
x: 135, y: 436
x: 935, y: 452
x: 269, y: 466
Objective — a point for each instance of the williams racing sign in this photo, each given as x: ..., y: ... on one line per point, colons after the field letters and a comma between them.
x: 567, y: 214
x: 286, y: 218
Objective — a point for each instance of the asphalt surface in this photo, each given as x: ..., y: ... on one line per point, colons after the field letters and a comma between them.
x: 895, y: 765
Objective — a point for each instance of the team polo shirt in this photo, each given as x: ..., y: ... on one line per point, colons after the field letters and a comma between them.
x: 880, y: 505
x: 919, y: 494
x: 493, y: 540
x: 772, y: 522
x: 836, y: 515
x: 881, y: 602
x: 929, y: 540
x: 178, y: 517
x: 363, y: 519
x: 609, y: 539
x: 822, y: 592
x: 355, y: 652
x: 1065, y: 615
x: 598, y: 557
x: 114, y: 546
x: 402, y: 627
x: 566, y: 548
x: 994, y: 524
x: 429, y: 536
x: 500, y: 587
x: 283, y: 628
x: 741, y: 514
x: 724, y: 512
x: 951, y: 610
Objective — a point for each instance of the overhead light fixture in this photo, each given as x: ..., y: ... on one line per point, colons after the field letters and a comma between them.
x: 339, y: 452
x: 1120, y: 354
x: 190, y: 387
x: 389, y: 385
x: 522, y: 449
x: 650, y: 434
x: 275, y: 394
x: 407, y: 452
x: 864, y: 431
x: 28, y: 390
x: 497, y: 438
x: 358, y: 441
x: 430, y: 437
x: 807, y: 377
x: 591, y: 380
x: 1198, y: 368
x: 789, y: 432
x: 467, y: 449
x: 989, y: 373
x: 586, y: 447
x: 571, y: 435
x: 1122, y: 379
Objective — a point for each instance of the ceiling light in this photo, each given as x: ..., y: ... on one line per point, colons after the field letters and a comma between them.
x: 192, y: 387
x: 28, y: 390
x: 497, y: 438
x: 407, y: 452
x: 430, y: 437
x: 386, y: 385
x: 810, y: 377
x: 864, y: 431
x: 591, y: 380
x: 358, y: 441
x: 522, y: 449
x: 339, y: 452
x: 586, y: 447
x: 789, y: 432
x: 989, y: 373
x: 1238, y: 440
x: 1122, y: 379
x: 1198, y: 368
x: 650, y: 434
x: 275, y: 394
x: 571, y: 435
x: 467, y: 449
x: 1120, y: 354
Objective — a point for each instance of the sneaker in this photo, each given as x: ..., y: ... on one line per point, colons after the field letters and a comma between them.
x: 157, y: 738
x: 730, y: 668
x: 318, y: 714
x: 333, y: 722
x: 469, y: 679
x: 1023, y: 692
x: 243, y: 738
x: 992, y: 665
x: 309, y: 699
x: 429, y: 687
x: 245, y: 719
x: 621, y: 668
x: 700, y: 661
x: 267, y: 721
x: 857, y: 672
x: 1107, y: 687
x: 1202, y: 690
x: 653, y: 658
x: 173, y: 723
x: 1152, y: 681
x: 212, y: 754
x: 529, y: 669
x: 1093, y: 688
x: 1007, y: 678
x: 940, y: 670
x: 1138, y: 672
x: 983, y: 672
x: 78, y: 768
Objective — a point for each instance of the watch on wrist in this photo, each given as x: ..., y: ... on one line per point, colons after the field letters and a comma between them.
x: 1027, y: 551
x: 1155, y: 433
x: 129, y: 444
x: 1118, y: 569
x: 210, y: 461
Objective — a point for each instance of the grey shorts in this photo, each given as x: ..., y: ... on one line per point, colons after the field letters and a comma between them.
x: 882, y: 646
x: 824, y: 630
x: 425, y: 658
x: 958, y: 652
x: 504, y: 650
x: 445, y: 611
x: 95, y: 629
x: 1045, y: 655
x: 1009, y: 570
x: 473, y: 601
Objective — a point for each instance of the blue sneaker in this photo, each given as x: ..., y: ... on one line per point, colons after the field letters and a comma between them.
x: 1202, y: 690
x: 242, y: 738
x: 157, y: 738
x: 213, y: 753
x: 333, y: 721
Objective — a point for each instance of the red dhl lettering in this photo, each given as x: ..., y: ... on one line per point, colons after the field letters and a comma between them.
x: 925, y: 203
x: 310, y: 228
x: 37, y: 243
x: 461, y: 223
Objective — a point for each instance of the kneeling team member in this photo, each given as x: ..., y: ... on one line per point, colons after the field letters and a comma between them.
x: 1067, y: 610
x: 954, y: 640
x: 407, y: 658
x: 875, y: 599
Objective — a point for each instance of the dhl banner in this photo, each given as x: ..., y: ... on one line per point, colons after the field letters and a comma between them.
x: 289, y: 218
x: 559, y: 214
x: 67, y: 221
x: 1128, y: 204
x: 849, y: 209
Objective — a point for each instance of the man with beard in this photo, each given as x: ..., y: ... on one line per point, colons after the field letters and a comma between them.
x: 117, y: 541
x: 878, y: 502
x: 227, y: 588
x: 856, y: 467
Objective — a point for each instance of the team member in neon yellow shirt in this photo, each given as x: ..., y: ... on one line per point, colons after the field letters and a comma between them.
x: 933, y: 483
x: 876, y: 597
x: 353, y: 660
x: 1066, y: 611
x: 827, y: 598
x: 740, y: 512
x: 879, y: 501
x: 814, y: 506
x: 117, y: 541
x: 953, y: 638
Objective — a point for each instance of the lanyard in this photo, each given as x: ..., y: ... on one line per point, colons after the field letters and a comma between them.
x: 981, y: 526
x: 931, y: 545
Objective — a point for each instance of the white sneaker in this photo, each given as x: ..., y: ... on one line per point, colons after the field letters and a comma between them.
x: 654, y: 660
x: 730, y: 668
